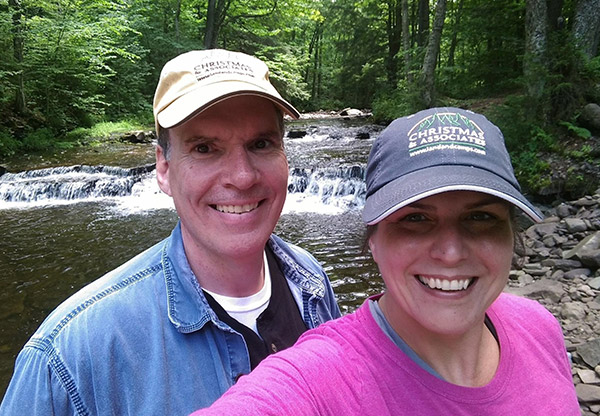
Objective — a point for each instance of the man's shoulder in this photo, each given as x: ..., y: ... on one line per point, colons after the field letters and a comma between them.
x: 105, y: 301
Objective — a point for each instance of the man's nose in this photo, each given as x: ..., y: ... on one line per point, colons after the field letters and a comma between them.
x: 240, y: 169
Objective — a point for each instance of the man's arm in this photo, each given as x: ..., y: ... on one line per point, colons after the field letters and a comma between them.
x: 36, y: 389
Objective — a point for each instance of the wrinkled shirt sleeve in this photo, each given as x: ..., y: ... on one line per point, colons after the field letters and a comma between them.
x: 36, y: 389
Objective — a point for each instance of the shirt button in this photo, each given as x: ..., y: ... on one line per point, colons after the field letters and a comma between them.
x: 273, y: 348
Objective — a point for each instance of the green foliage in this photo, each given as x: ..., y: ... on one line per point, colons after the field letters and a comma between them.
x: 487, y: 59
x: 76, y: 58
x: 525, y: 140
x: 583, y: 153
x: 9, y: 146
x: 572, y: 80
x: 105, y: 130
x: 404, y: 100
x: 86, y: 62
x: 284, y: 65
x: 38, y: 140
x: 578, y: 131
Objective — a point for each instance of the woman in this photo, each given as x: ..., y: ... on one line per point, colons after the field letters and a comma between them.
x: 443, y: 339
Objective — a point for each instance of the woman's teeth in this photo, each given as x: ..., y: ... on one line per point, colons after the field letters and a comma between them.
x: 236, y: 209
x: 445, y: 284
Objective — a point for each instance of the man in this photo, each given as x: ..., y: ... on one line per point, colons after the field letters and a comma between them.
x: 172, y: 329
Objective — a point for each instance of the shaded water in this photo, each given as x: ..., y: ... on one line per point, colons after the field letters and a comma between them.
x: 49, y: 250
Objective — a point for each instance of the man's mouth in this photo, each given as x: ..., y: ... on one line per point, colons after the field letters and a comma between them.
x: 445, y: 284
x: 236, y: 209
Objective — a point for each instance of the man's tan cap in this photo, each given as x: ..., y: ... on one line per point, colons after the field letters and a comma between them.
x: 196, y: 80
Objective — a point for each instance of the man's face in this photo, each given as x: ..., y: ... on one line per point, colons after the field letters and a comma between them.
x: 227, y: 173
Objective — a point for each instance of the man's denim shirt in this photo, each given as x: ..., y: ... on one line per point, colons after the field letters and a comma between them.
x: 142, y: 340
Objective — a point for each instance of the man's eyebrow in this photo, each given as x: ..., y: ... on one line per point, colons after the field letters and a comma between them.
x: 269, y: 133
x: 193, y: 139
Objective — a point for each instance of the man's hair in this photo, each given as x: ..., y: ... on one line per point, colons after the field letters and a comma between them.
x: 164, y: 135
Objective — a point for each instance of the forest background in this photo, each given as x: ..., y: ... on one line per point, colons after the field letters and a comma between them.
x: 74, y: 71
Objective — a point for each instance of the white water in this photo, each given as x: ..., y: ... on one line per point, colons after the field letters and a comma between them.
x: 324, y: 194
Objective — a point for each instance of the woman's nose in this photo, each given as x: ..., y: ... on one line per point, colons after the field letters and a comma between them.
x: 449, y: 245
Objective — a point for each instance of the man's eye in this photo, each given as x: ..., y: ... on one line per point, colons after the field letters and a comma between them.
x: 202, y: 148
x: 261, y: 144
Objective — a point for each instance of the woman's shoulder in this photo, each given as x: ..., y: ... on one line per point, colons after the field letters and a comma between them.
x: 519, y: 305
x: 525, y: 315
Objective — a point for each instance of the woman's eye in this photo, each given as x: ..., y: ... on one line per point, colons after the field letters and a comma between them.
x: 414, y: 218
x: 481, y: 216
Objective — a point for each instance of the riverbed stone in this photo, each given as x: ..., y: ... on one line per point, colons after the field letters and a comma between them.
x: 575, y: 225
x: 588, y: 376
x: 561, y: 264
x: 296, y: 134
x: 590, y: 352
x: 575, y: 311
x: 560, y: 269
x: 587, y: 393
x: 581, y: 273
x: 594, y: 283
x: 563, y: 210
x: 545, y: 229
x: 541, y: 289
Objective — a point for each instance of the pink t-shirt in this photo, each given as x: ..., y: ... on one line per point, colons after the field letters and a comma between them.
x: 350, y: 367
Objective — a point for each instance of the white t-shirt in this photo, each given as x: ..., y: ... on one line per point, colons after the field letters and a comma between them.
x: 245, y: 310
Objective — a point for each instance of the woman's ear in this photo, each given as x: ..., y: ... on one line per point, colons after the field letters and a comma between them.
x: 373, y: 248
x: 162, y: 171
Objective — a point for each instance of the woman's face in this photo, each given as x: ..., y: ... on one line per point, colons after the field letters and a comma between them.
x: 444, y: 260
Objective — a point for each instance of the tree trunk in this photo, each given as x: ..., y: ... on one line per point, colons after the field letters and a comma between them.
x: 535, y: 48
x: 406, y: 40
x: 177, y: 15
x: 555, y: 19
x: 210, y: 34
x: 394, y: 31
x: 586, y: 27
x: 423, y: 20
x: 316, y: 79
x: 431, y: 54
x: 17, y: 29
x: 454, y: 38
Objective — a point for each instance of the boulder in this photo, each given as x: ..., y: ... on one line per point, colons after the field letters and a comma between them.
x: 590, y: 117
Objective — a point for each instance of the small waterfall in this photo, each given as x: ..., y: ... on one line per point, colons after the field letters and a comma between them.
x: 324, y: 190
x: 70, y: 183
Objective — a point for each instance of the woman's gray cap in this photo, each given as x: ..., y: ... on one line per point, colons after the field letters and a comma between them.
x: 439, y: 150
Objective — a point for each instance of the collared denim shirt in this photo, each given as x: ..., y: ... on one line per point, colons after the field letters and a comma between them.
x: 142, y: 340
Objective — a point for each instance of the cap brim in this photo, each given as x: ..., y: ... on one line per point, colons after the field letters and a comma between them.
x: 197, y: 100
x: 435, y: 180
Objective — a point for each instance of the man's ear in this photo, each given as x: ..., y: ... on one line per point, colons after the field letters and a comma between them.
x: 162, y: 171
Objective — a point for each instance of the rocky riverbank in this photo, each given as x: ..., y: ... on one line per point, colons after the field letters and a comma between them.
x: 561, y: 269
